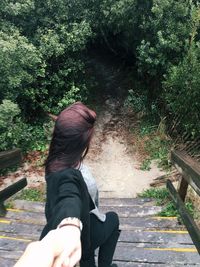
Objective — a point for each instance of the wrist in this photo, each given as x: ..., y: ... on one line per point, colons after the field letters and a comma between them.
x: 61, y: 236
x: 71, y: 221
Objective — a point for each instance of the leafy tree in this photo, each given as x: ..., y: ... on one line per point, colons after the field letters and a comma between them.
x: 41, y: 45
x: 182, y: 90
x: 21, y: 65
x: 182, y: 83
x: 167, y: 40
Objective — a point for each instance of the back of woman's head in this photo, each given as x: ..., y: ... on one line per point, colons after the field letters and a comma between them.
x: 71, y: 137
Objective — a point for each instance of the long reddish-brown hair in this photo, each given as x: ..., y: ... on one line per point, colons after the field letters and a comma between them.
x: 71, y: 137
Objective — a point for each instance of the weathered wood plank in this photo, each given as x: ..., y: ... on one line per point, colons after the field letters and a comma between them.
x: 132, y: 212
x: 188, y: 167
x: 187, y: 219
x: 26, y: 217
x: 33, y: 232
x: 159, y: 246
x: 149, y: 223
x: 21, y: 230
x: 13, y: 245
x: 10, y: 263
x: 144, y: 255
x: 10, y: 158
x: 122, y: 211
x: 127, y: 253
x: 134, y: 237
x: 132, y: 207
x: 11, y: 254
x: 149, y: 264
x: 126, y: 202
x: 29, y: 205
x: 7, y: 262
x: 155, y: 237
x: 125, y: 212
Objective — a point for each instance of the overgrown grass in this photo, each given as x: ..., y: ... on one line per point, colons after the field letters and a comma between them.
x: 161, y: 195
x: 156, y: 144
x: 32, y: 194
x: 162, y: 198
x: 146, y: 165
x: 5, y: 171
x: 9, y: 204
x: 169, y: 210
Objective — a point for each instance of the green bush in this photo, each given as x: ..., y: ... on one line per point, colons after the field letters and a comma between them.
x: 136, y: 102
x: 182, y: 91
x: 13, y: 132
x: 16, y: 133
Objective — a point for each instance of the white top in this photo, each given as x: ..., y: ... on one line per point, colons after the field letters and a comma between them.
x: 93, y: 191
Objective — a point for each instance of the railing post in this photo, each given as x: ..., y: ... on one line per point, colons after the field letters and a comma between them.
x: 2, y: 209
x: 182, y: 190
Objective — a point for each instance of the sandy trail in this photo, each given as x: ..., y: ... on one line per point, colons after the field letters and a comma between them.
x: 113, y: 164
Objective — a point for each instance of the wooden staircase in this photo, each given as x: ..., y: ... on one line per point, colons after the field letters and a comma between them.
x: 146, y: 240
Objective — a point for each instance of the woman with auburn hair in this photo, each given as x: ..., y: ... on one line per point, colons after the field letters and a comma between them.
x: 72, y: 195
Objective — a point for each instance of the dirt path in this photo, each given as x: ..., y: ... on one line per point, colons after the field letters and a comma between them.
x: 112, y: 160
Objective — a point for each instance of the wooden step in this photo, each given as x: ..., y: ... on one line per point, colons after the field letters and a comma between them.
x: 111, y: 202
x: 154, y: 254
x: 122, y: 210
x: 126, y: 222
x: 146, y: 240
x: 149, y: 264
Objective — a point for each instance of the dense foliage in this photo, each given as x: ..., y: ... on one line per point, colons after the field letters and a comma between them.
x: 42, y: 48
x: 40, y: 51
x: 160, y: 38
x: 15, y: 133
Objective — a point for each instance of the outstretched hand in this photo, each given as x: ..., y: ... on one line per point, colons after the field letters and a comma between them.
x: 59, y: 248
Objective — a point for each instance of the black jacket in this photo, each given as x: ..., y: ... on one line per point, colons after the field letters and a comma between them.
x: 67, y: 196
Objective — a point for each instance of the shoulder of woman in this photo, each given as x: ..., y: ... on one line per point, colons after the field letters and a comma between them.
x: 66, y: 174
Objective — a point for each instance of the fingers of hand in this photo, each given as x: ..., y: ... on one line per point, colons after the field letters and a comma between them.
x: 74, y: 258
x: 66, y: 260
x: 60, y: 259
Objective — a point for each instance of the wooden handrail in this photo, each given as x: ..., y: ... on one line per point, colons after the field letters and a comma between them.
x: 190, y: 171
x: 10, y: 158
x: 12, y: 189
x: 188, y: 167
x: 188, y: 221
